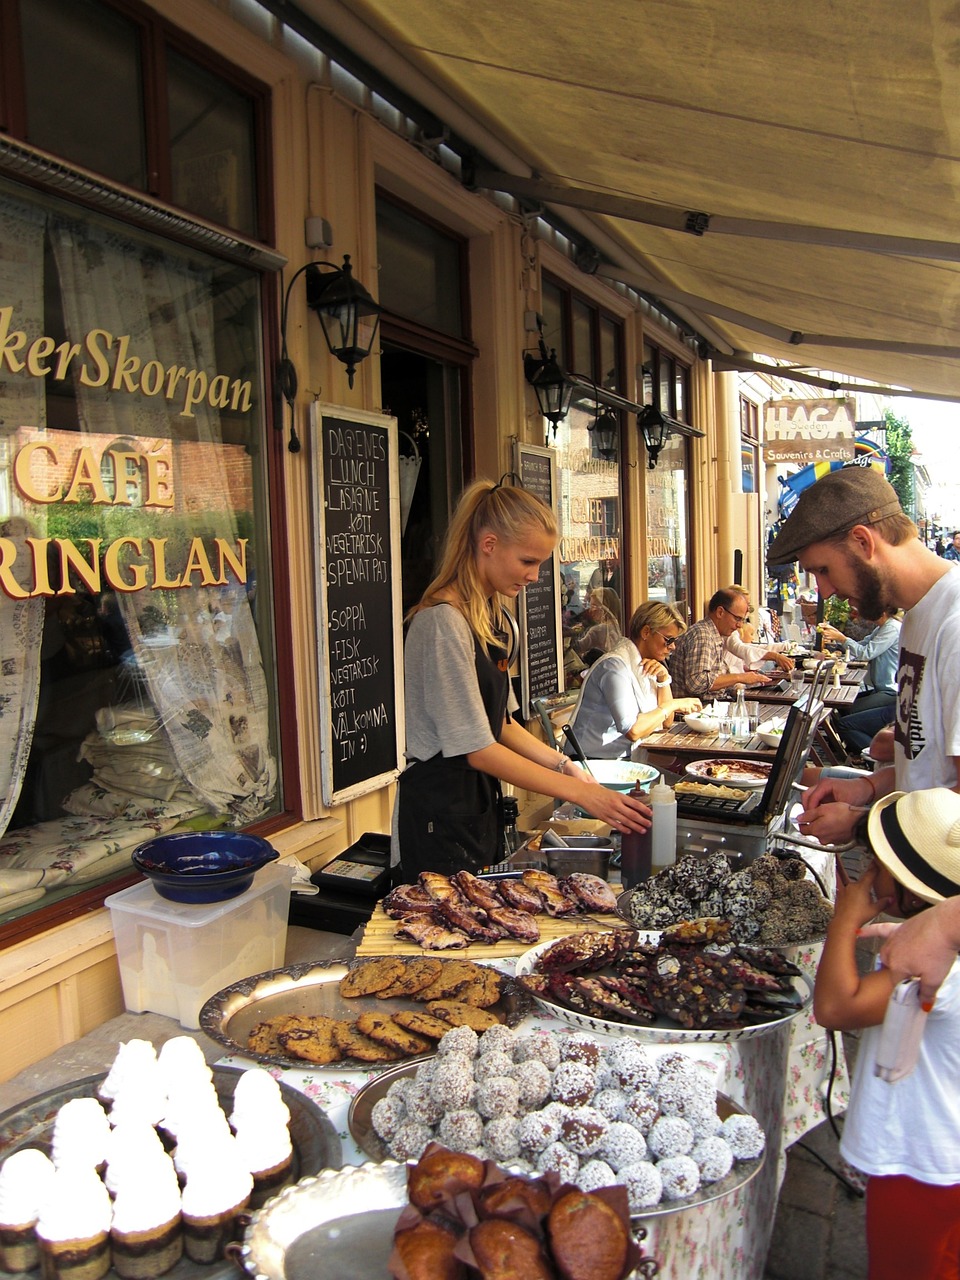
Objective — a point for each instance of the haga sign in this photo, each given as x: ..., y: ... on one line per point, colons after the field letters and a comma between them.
x: 809, y: 430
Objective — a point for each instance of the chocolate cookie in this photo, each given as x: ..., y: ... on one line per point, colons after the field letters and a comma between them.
x: 265, y: 1036
x: 371, y: 976
x: 387, y: 1031
x: 312, y: 1040
x: 354, y: 1044
x: 463, y: 1015
x: 455, y: 974
x: 422, y: 1024
x: 416, y: 975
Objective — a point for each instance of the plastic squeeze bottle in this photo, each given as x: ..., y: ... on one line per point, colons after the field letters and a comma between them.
x: 663, y: 803
x: 635, y: 851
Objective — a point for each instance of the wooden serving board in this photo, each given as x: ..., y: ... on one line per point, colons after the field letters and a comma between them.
x: 378, y: 937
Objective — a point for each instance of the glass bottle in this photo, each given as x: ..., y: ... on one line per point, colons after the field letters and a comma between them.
x: 741, y: 717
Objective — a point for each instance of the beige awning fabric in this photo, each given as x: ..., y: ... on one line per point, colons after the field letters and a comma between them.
x: 785, y: 123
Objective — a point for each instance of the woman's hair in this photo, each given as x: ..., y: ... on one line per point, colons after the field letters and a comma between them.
x: 656, y: 615
x: 509, y: 511
x: 608, y: 602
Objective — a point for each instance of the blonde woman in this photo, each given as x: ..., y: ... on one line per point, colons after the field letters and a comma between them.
x: 602, y: 617
x: 626, y: 693
x: 461, y: 738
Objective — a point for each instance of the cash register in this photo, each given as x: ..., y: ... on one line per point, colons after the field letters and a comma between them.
x: 349, y: 887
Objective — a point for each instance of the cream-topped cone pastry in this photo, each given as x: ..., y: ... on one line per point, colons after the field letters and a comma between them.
x: 133, y: 1058
x: 24, y: 1178
x: 261, y: 1120
x: 217, y: 1192
x: 80, y: 1134
x: 146, y: 1237
x: 73, y: 1229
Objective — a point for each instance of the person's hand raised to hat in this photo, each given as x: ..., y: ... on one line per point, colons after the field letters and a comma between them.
x: 856, y: 903
x: 923, y: 947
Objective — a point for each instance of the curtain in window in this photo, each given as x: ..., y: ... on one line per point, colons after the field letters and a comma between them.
x: 198, y: 658
x: 21, y: 404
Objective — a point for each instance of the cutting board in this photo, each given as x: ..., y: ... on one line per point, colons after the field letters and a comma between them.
x: 378, y: 937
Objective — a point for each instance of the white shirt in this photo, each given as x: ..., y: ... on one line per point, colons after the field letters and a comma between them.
x: 911, y: 1127
x: 928, y: 679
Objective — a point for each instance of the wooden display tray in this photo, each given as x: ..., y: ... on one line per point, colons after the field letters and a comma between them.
x: 378, y: 937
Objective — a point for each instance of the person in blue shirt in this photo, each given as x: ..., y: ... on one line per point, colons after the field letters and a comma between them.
x: 953, y: 550
x: 876, y: 705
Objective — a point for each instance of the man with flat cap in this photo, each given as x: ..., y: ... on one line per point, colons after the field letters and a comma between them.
x: 851, y: 533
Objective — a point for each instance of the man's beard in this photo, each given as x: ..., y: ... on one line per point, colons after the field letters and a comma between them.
x: 871, y: 592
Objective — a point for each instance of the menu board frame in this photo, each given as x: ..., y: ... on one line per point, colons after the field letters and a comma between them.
x: 361, y: 746
x: 541, y: 655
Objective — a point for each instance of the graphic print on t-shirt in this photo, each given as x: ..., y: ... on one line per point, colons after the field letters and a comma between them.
x: 909, y: 730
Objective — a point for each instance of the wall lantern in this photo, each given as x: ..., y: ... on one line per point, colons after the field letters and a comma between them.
x: 606, y: 434
x: 349, y: 318
x: 347, y: 312
x: 554, y: 391
x: 655, y: 427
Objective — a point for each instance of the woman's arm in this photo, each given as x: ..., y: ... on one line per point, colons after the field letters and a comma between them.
x: 524, y: 761
x: 843, y: 1000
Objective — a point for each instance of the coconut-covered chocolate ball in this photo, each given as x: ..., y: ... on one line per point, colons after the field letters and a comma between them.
x: 533, y: 1083
x: 452, y: 1085
x: 595, y: 1174
x: 387, y: 1115
x: 494, y: 1063
x: 558, y: 1158
x: 680, y: 1175
x: 744, y: 1135
x: 538, y: 1130
x: 409, y: 1140
x: 580, y: 1048
x: 541, y: 1046
x: 498, y: 1039
x: 624, y: 1144
x: 461, y: 1130
x: 498, y: 1096
x: 670, y: 1136
x: 714, y: 1158
x: 500, y: 1138
x: 643, y: 1183
x: 584, y: 1130
x: 459, y: 1040
x: 574, y: 1083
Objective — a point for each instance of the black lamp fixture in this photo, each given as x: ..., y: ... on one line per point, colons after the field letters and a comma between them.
x: 349, y: 318
x: 656, y: 428
x: 554, y: 391
x: 347, y: 312
x: 606, y: 433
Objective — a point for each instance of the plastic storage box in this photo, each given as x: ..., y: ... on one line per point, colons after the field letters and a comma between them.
x: 174, y: 956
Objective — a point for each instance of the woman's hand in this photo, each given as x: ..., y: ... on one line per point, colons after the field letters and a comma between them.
x: 623, y: 812
x: 651, y: 667
x: 685, y: 706
x: 783, y: 660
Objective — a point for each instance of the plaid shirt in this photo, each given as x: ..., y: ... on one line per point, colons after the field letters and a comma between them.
x: 697, y: 660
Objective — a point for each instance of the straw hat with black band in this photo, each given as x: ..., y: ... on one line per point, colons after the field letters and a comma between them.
x: 837, y: 502
x: 916, y: 835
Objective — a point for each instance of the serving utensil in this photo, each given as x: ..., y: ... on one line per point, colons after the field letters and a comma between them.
x: 578, y: 751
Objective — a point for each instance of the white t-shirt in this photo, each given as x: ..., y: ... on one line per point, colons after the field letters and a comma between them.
x: 911, y: 1127
x: 928, y: 676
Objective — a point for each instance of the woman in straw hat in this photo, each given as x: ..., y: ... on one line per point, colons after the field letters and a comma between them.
x: 905, y: 1135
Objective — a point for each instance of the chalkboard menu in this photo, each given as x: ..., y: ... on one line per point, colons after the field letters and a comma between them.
x: 541, y: 651
x: 356, y: 516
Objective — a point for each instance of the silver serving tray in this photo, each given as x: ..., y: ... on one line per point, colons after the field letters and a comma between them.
x: 365, y: 1136
x: 661, y: 1030
x: 316, y: 1144
x: 336, y: 1226
x: 229, y: 1016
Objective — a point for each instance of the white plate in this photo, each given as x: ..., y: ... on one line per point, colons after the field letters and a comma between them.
x: 735, y: 773
x: 622, y: 775
x: 659, y: 1031
x: 326, y: 1227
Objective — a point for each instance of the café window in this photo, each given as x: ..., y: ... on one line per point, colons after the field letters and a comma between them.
x: 136, y: 645
x: 588, y: 342
x: 665, y: 382
x: 749, y: 444
x: 132, y: 100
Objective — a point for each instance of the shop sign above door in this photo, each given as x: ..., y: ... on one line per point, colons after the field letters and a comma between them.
x: 809, y: 430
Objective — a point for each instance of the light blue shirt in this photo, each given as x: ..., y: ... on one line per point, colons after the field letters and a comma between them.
x: 881, y: 649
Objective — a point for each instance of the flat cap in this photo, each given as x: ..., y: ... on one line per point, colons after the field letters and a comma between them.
x: 838, y: 501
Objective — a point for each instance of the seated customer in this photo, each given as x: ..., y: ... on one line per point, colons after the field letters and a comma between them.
x: 743, y: 653
x: 876, y: 704
x: 601, y: 624
x: 696, y: 663
x: 626, y: 694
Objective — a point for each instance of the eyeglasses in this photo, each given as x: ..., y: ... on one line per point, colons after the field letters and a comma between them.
x: 669, y: 641
x: 739, y: 618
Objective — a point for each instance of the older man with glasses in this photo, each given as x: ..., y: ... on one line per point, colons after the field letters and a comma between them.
x: 696, y: 664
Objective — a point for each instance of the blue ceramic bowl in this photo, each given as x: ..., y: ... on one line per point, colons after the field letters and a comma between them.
x: 202, y: 866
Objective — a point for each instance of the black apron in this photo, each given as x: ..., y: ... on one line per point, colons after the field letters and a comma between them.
x: 450, y: 815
